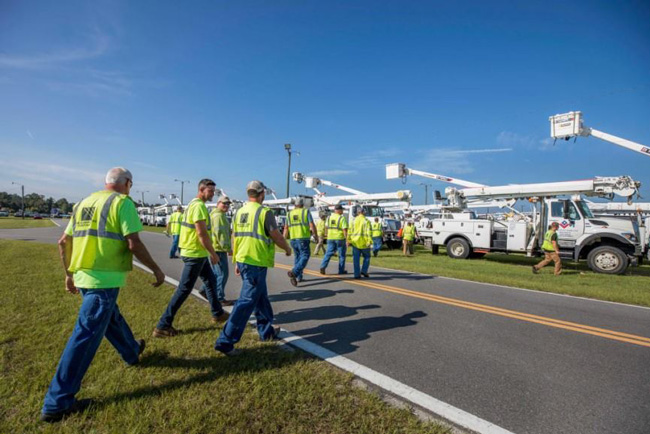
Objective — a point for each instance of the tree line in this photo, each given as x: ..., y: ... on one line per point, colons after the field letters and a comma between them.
x: 33, y: 202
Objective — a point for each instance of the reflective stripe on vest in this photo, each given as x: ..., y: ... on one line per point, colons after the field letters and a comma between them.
x: 409, y: 233
x: 334, y: 231
x: 548, y: 241
x: 252, y: 245
x: 98, y: 243
x: 361, y: 235
x: 376, y: 229
x: 298, y: 222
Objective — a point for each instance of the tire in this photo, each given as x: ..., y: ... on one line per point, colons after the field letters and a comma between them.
x: 607, y: 260
x: 458, y: 248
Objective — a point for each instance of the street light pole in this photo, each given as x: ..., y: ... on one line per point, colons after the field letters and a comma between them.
x: 143, y: 192
x: 22, y: 193
x: 287, y: 146
x: 182, y: 184
x: 426, y: 192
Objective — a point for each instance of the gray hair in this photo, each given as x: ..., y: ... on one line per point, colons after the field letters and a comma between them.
x: 118, y: 176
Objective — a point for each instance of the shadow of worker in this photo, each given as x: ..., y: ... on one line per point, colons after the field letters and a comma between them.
x: 340, y: 337
x: 320, y: 313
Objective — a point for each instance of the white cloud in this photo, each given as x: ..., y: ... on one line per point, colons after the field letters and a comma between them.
x: 333, y: 172
x: 516, y: 140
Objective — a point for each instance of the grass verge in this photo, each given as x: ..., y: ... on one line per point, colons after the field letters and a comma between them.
x: 159, y: 229
x: 515, y: 270
x: 19, y: 223
x: 181, y: 385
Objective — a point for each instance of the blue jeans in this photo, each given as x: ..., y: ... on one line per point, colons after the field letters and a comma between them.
x: 172, y: 252
x: 301, y: 252
x: 99, y: 316
x: 253, y: 299
x: 335, y: 245
x: 356, y: 258
x: 376, y: 244
x: 193, y: 269
x: 221, y: 273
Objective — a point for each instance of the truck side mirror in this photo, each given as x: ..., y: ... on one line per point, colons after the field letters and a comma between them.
x: 437, y: 195
x: 565, y: 209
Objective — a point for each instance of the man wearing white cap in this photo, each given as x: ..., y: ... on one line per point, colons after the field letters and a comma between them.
x: 255, y: 232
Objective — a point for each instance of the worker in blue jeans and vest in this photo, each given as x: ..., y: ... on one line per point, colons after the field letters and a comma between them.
x: 174, y: 229
x: 221, y: 239
x: 361, y: 239
x: 255, y: 232
x: 337, y: 233
x: 96, y: 251
x: 377, y: 236
x: 299, y: 228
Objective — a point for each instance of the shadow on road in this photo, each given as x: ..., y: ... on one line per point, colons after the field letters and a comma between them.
x: 321, y: 313
x: 341, y: 336
x: 387, y: 275
x: 310, y: 295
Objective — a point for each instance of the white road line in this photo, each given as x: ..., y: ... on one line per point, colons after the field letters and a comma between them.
x: 446, y: 411
x: 55, y: 223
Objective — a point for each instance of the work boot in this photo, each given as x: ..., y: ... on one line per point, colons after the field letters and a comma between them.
x: 322, y: 271
x: 226, y: 302
x: 275, y: 336
x: 77, y: 407
x: 365, y: 275
x: 223, y: 317
x: 535, y: 270
x: 167, y: 332
x: 292, y: 278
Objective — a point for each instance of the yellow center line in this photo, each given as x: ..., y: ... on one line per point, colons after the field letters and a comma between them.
x: 551, y: 322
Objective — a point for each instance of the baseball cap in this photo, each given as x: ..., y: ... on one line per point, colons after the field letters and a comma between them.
x: 256, y: 186
x: 338, y: 206
x: 556, y: 224
x: 224, y: 199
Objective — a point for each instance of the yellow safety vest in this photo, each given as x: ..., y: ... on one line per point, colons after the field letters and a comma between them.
x: 409, y: 233
x: 320, y: 228
x: 189, y: 239
x: 376, y: 229
x: 220, y: 231
x: 252, y: 245
x: 361, y: 237
x: 298, y: 221
x: 334, y: 230
x: 97, y: 240
x: 548, y: 241
x: 175, y: 223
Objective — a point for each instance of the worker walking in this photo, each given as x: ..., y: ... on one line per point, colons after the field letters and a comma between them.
x: 173, y: 228
x: 551, y: 250
x: 321, y: 231
x: 96, y: 251
x: 377, y: 236
x: 361, y: 240
x: 337, y: 233
x: 255, y: 232
x: 299, y: 228
x: 408, y: 237
x: 221, y: 239
x: 198, y: 255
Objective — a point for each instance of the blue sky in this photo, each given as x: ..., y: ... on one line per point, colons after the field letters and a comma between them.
x: 215, y: 89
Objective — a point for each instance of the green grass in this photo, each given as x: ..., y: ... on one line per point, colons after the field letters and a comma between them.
x: 181, y: 385
x: 19, y: 223
x: 515, y: 270
x: 153, y: 228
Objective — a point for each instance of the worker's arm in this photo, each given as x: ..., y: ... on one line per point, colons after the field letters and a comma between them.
x: 65, y: 252
x: 285, y: 232
x: 314, y: 232
x: 280, y: 241
x: 204, y: 239
x: 556, y: 247
x: 139, y: 250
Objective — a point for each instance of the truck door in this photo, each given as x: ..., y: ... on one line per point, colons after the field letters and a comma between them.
x: 572, y: 225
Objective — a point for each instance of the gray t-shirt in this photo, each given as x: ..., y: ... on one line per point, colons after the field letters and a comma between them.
x: 270, y: 223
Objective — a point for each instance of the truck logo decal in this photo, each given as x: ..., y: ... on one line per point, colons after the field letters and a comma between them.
x: 564, y: 224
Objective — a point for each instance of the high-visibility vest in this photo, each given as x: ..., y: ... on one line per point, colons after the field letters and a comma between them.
x: 409, y: 233
x: 320, y: 228
x: 97, y: 240
x: 252, y: 245
x: 189, y: 239
x: 361, y: 237
x: 548, y: 241
x: 175, y: 223
x: 220, y: 233
x: 334, y: 230
x: 298, y: 221
x: 375, y: 227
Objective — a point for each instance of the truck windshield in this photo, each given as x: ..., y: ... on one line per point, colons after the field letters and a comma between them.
x: 584, y: 209
x: 279, y: 211
x: 374, y: 211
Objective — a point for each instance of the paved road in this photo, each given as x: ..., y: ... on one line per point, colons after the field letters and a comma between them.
x: 527, y: 361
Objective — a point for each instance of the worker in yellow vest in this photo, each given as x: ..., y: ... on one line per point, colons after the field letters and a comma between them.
x: 408, y: 238
x: 361, y: 239
x: 255, y: 234
x: 377, y: 236
x: 551, y: 250
x: 337, y: 233
x: 96, y: 251
x: 321, y: 231
x: 173, y: 228
x: 221, y: 240
x: 299, y: 228
x: 198, y: 255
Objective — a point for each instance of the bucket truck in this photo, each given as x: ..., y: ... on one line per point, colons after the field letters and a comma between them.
x: 608, y: 245
x: 357, y: 198
x: 571, y: 124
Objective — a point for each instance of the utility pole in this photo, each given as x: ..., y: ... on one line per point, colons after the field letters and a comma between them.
x: 426, y: 192
x: 22, y: 194
x: 182, y: 184
x: 143, y: 192
x: 287, y: 147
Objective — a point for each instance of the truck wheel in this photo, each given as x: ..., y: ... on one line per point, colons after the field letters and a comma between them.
x: 458, y: 248
x: 607, y: 260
